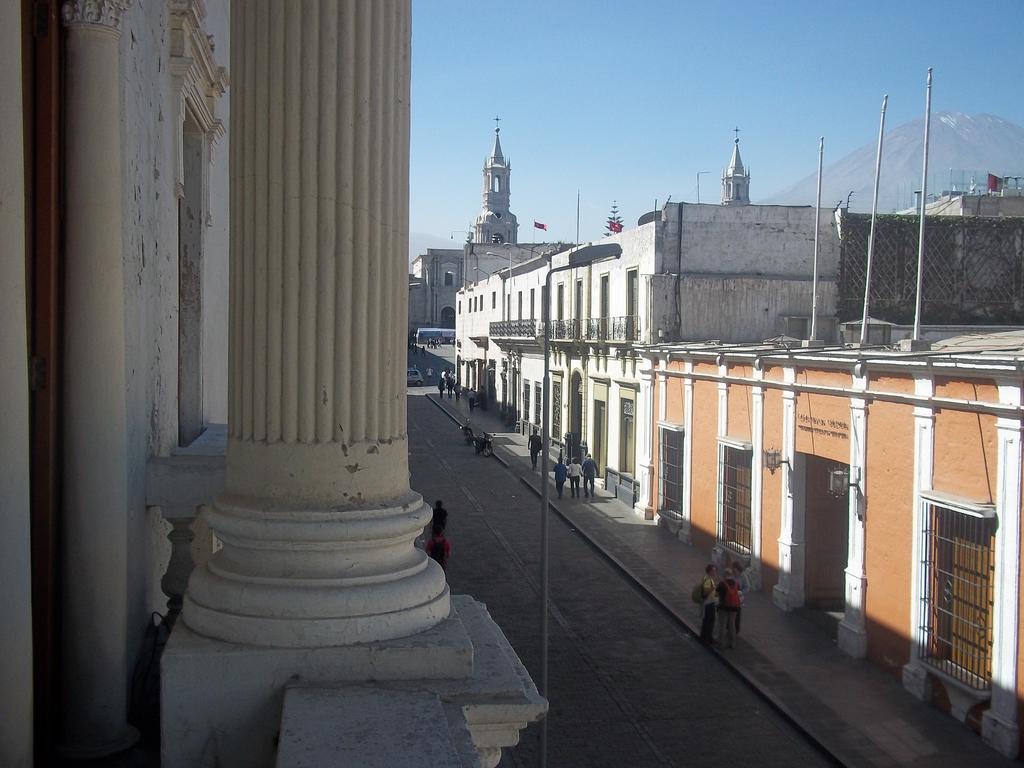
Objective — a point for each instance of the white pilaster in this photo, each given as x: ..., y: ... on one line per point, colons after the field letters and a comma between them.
x: 645, y: 433
x: 94, y: 680
x: 317, y: 518
x: 756, y: 475
x: 1000, y: 723
x: 684, y: 532
x: 788, y: 593
x: 915, y: 677
x: 852, y: 637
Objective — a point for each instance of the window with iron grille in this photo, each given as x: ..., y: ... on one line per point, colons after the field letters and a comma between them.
x: 538, y: 395
x: 526, y: 401
x: 556, y: 408
x: 957, y: 570
x: 670, y: 474
x: 734, y: 521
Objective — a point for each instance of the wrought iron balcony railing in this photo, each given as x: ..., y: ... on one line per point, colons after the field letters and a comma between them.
x: 626, y: 328
x: 515, y: 329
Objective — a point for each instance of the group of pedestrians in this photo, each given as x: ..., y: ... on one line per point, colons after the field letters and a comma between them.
x: 574, y: 471
x: 721, y: 603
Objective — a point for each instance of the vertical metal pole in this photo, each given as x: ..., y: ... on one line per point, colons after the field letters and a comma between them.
x: 698, y: 188
x: 817, y: 218
x: 544, y: 493
x: 924, y: 199
x: 874, y: 216
x: 577, y: 217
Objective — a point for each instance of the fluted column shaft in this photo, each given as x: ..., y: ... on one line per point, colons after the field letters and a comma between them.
x: 317, y: 517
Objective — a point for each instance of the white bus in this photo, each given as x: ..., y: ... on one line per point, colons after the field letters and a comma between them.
x: 441, y: 335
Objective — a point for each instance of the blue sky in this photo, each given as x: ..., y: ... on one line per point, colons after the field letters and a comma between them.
x: 629, y: 100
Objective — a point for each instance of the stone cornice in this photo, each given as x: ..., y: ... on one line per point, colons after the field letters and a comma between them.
x: 94, y: 13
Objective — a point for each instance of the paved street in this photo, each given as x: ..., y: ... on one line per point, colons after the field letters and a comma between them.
x: 628, y: 687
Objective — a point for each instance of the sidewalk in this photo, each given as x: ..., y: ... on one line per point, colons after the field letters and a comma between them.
x: 851, y: 708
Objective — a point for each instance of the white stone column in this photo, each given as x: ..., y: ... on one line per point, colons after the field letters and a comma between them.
x: 915, y: 677
x: 999, y: 723
x: 788, y: 593
x: 95, y: 656
x: 852, y: 637
x: 645, y: 432
x: 317, y: 517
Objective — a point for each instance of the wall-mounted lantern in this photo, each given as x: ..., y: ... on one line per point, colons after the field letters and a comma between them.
x: 842, y: 479
x: 773, y: 459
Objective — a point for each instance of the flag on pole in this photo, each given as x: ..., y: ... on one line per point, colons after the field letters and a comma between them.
x: 538, y: 225
x: 995, y: 184
x: 615, y: 226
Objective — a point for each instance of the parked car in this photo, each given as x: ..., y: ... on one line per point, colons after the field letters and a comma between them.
x: 413, y: 378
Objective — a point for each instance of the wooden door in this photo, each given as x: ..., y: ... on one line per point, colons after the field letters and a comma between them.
x: 827, y: 535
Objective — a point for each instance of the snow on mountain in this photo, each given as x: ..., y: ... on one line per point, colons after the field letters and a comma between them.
x: 968, y: 144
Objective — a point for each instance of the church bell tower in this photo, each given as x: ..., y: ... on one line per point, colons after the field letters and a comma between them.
x: 495, y: 223
x: 736, y: 181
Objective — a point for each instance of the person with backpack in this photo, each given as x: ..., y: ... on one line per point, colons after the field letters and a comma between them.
x: 561, y: 472
x: 438, y: 547
x: 704, y: 594
x: 728, y: 606
x: 589, y: 474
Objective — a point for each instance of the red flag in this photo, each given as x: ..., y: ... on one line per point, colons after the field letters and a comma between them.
x: 538, y: 225
x: 994, y: 183
x: 615, y: 226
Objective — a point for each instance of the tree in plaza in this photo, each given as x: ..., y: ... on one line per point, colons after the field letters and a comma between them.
x: 614, y: 224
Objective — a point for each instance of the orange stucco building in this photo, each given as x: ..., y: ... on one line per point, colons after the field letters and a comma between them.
x: 882, y: 487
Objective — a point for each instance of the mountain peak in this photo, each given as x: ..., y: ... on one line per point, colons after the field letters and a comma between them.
x: 970, y: 145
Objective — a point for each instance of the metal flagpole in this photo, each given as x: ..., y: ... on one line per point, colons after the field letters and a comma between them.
x: 817, y: 217
x: 924, y: 199
x: 577, y: 217
x: 874, y: 216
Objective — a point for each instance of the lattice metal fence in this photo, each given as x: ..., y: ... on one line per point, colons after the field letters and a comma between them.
x: 973, y: 269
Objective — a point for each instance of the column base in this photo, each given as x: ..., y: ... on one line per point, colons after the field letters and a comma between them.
x: 225, y: 702
x: 852, y: 640
x: 917, y: 682
x: 123, y: 740
x: 1000, y: 734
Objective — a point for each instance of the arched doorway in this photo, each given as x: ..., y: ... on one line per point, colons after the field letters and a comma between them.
x: 447, y: 317
x: 575, y: 415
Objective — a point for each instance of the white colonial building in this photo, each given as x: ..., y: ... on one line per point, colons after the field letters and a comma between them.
x: 732, y: 273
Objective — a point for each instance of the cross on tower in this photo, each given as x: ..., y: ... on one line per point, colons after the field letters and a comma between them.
x: 497, y: 128
x: 737, y: 132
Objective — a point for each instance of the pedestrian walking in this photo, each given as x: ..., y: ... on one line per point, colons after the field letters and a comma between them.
x: 728, y: 604
x: 471, y: 396
x: 589, y: 473
x: 458, y: 390
x: 708, y: 602
x: 440, y: 385
x: 438, y: 547
x: 440, y: 515
x: 536, y: 445
x: 449, y: 383
x: 743, y: 582
x: 561, y: 472
x: 574, y: 471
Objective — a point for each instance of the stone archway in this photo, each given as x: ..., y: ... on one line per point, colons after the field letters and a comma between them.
x: 448, y: 317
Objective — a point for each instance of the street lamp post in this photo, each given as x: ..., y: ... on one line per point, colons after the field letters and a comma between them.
x: 581, y: 257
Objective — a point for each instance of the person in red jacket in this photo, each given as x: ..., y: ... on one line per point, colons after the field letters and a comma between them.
x: 437, y: 546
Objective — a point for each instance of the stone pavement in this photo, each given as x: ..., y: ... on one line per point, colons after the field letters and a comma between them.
x: 850, y: 708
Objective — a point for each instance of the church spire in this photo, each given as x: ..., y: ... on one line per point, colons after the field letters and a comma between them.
x: 735, y: 180
x: 496, y: 150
